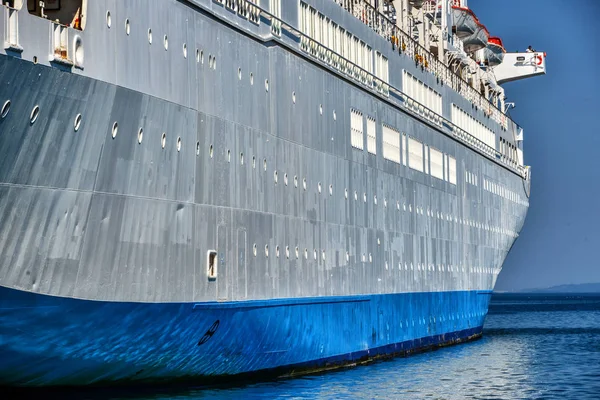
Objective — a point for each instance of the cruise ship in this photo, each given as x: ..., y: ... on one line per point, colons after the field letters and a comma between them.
x: 203, y: 190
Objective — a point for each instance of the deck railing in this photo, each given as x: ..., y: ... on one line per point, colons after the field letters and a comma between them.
x: 410, y: 104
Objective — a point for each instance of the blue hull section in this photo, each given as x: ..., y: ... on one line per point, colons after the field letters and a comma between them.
x: 54, y: 341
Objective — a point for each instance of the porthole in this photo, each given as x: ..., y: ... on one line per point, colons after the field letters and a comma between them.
x: 35, y: 59
x: 295, y: 181
x: 163, y: 140
x: 315, y: 254
x: 323, y: 255
x: 254, y: 249
x: 297, y: 252
x: 228, y: 156
x: 179, y: 143
x: 304, y: 183
x: 385, y: 202
x: 127, y: 27
x: 114, y: 130
x: 77, y: 122
x: 266, y: 85
x: 254, y: 162
x: 370, y: 258
x: 285, y: 179
x: 197, y: 148
x: 347, y: 256
x: 150, y: 36
x: 346, y: 193
x: 35, y: 113
x: 197, y: 55
x: 265, y: 164
x: 275, y: 177
x: 210, y: 151
x: 214, y: 63
x: 378, y: 242
x: 140, y: 135
x: 277, y: 251
x: 375, y: 199
x: 108, y: 19
x: 287, y: 252
x: 334, y: 115
x: 305, y: 253
x: 251, y: 79
x: 201, y: 56
x: 294, y: 97
x: 184, y: 50
x: 364, y: 197
x: 355, y: 195
x: 166, y: 42
x: 319, y: 187
x: 398, y: 205
x: 5, y: 109
x: 364, y: 258
x: 240, y: 74
x: 241, y: 158
x: 321, y: 109
x: 330, y: 190
x: 267, y: 250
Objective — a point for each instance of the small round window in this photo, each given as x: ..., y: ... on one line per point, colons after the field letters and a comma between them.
x: 77, y: 122
x: 5, y: 109
x: 35, y: 113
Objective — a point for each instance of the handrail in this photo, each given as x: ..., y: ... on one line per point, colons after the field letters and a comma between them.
x: 408, y: 102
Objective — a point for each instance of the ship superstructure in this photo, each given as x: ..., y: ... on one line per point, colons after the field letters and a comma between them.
x: 198, y: 189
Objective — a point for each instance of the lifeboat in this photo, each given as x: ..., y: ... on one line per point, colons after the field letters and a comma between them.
x: 493, y: 53
x: 465, y: 21
x: 478, y: 40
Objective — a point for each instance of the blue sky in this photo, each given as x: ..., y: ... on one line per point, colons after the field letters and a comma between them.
x: 560, y: 115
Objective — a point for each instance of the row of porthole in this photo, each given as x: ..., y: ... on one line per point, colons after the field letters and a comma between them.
x: 418, y: 210
x: 420, y: 267
x: 212, y: 60
x: 140, y: 137
x: 35, y: 113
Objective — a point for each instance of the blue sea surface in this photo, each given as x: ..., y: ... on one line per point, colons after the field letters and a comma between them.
x: 534, y: 347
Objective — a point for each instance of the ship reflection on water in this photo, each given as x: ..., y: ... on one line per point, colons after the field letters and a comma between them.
x: 534, y: 346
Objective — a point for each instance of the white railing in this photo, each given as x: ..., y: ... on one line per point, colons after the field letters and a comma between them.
x: 248, y: 9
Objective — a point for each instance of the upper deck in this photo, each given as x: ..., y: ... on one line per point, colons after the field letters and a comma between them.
x: 350, y: 38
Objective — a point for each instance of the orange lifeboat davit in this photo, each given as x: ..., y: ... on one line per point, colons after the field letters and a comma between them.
x: 478, y: 40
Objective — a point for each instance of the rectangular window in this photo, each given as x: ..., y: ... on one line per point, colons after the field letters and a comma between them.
x: 437, y: 163
x: 426, y: 159
x: 421, y: 93
x: 391, y: 144
x: 404, y: 149
x: 473, y: 127
x: 415, y: 154
x: 371, y: 136
x: 356, y: 129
